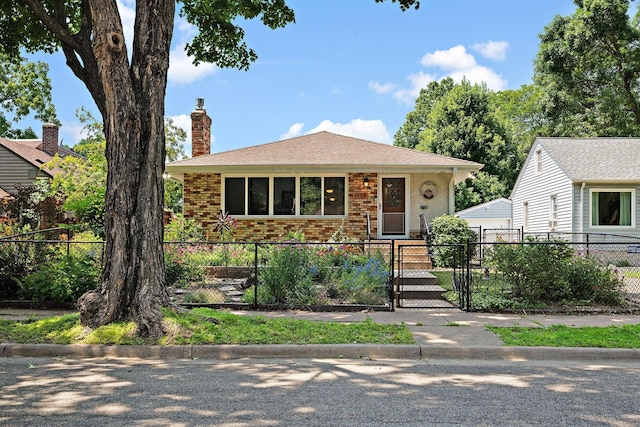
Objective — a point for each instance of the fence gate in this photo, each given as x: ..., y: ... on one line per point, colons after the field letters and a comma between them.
x: 418, y: 283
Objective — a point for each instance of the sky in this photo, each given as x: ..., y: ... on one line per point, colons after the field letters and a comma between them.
x: 352, y: 67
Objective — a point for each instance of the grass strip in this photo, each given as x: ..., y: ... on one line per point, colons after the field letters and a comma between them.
x: 623, y: 336
x: 196, y: 328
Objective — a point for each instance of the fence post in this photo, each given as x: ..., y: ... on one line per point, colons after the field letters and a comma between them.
x: 255, y: 275
x: 392, y: 275
x: 468, y: 278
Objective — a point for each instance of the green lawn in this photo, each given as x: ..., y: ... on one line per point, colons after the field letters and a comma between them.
x: 196, y: 327
x: 624, y: 336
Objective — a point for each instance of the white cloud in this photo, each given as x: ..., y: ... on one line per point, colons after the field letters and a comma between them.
x: 492, y: 49
x: 479, y: 75
x: 382, y: 88
x: 72, y: 133
x: 182, y: 70
x: 127, y: 10
x: 417, y: 81
x: 456, y: 63
x: 371, y: 130
x: 455, y: 58
x: 294, y: 130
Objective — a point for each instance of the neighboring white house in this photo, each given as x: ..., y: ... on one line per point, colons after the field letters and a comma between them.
x: 493, y: 214
x: 579, y: 185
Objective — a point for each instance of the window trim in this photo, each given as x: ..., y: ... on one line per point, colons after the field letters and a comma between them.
x: 553, y: 212
x: 270, y: 177
x: 613, y: 190
x: 538, y: 161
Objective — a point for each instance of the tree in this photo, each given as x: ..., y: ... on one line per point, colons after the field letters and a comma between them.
x: 462, y: 124
x: 588, y: 68
x: 84, y: 181
x: 130, y: 94
x: 416, y: 121
x: 24, y: 88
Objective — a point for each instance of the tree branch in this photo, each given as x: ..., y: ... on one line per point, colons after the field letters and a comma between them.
x: 61, y: 32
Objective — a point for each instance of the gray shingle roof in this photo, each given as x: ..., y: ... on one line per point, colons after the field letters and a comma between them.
x: 326, y: 149
x: 595, y: 159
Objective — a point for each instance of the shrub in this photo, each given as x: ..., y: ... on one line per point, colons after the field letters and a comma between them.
x: 286, y: 277
x: 182, y: 266
x: 181, y: 229
x: 447, y: 231
x: 61, y: 280
x: 365, y: 283
x: 549, y: 271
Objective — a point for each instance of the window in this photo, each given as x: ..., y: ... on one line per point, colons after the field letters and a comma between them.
x: 613, y: 208
x: 234, y: 196
x: 279, y: 195
x: 525, y: 216
x: 538, y: 161
x: 553, y: 212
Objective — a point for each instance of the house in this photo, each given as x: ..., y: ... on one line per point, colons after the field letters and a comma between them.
x: 21, y: 160
x: 579, y: 185
x: 493, y: 214
x: 316, y: 184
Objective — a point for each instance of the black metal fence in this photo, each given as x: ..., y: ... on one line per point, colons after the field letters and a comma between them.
x: 497, y: 275
x: 284, y: 274
x: 544, y: 272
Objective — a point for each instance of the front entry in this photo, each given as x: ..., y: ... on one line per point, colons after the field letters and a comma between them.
x: 393, y: 207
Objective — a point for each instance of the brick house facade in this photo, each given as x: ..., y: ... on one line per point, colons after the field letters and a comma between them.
x: 380, y: 190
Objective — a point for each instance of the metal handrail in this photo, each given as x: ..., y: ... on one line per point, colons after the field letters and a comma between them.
x: 368, y: 227
x: 424, y: 229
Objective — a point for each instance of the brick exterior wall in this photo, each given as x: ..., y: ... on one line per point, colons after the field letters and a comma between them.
x: 202, y: 201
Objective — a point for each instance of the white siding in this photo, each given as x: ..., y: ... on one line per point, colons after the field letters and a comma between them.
x: 537, y: 189
x: 14, y: 171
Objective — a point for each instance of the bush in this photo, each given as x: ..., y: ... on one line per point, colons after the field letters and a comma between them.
x: 182, y: 266
x: 549, y: 271
x: 181, y: 229
x: 286, y: 279
x: 449, y: 230
x: 365, y: 283
x: 61, y: 280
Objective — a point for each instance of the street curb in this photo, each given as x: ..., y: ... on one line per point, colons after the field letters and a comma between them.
x: 310, y: 351
x: 515, y: 354
x: 319, y: 351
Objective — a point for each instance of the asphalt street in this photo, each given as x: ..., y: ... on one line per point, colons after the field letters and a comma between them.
x: 317, y: 392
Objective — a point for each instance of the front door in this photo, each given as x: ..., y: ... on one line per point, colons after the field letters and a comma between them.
x: 393, y: 207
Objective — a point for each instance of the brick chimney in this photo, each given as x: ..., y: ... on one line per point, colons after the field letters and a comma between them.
x: 50, y: 138
x: 200, y: 130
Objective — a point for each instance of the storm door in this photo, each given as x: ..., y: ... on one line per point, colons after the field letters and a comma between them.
x: 393, y: 206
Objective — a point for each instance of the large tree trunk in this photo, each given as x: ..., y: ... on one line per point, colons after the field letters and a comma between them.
x: 131, y: 100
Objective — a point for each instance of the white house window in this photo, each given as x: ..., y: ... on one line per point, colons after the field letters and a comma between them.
x: 538, y: 161
x: 612, y: 207
x: 279, y: 195
x: 553, y: 212
x: 525, y: 216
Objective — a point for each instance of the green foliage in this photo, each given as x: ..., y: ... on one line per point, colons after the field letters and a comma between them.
x: 33, y: 207
x: 182, y: 266
x: 61, y: 280
x: 588, y: 69
x: 287, y: 277
x: 365, y: 283
x: 550, y: 272
x: 24, y: 88
x: 461, y: 122
x: 182, y: 229
x: 450, y: 230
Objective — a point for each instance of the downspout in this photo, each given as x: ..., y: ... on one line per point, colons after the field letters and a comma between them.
x: 452, y: 192
x: 581, y: 220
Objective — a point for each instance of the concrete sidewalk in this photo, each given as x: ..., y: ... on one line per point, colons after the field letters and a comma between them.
x: 439, y: 334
